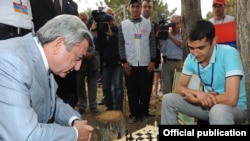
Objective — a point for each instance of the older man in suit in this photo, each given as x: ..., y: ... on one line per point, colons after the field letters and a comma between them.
x: 30, y: 108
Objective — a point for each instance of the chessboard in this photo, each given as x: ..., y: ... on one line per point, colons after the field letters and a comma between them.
x: 148, y: 133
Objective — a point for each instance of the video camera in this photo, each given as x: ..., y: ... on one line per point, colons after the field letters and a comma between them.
x: 101, y: 19
x: 164, y: 27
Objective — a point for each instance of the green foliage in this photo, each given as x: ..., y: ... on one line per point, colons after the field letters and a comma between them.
x: 160, y: 8
x: 89, y: 11
x: 230, y: 10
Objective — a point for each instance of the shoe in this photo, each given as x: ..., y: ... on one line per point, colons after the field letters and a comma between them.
x: 94, y: 110
x: 132, y: 119
x: 101, y: 103
x: 81, y: 111
x: 109, y: 109
x: 150, y: 115
x: 144, y: 119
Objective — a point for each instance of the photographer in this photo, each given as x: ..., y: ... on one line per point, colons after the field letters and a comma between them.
x: 87, y: 76
x: 106, y: 41
x: 172, y: 52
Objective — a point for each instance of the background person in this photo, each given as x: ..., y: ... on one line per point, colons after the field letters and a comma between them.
x: 223, y: 23
x: 146, y: 11
x: 15, y: 18
x: 112, y: 72
x: 172, y: 52
x: 137, y: 50
x: 28, y: 89
x: 87, y: 75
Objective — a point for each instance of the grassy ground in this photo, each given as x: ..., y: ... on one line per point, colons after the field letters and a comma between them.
x: 155, y: 105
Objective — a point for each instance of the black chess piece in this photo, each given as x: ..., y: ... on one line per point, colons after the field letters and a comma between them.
x: 126, y: 134
x: 150, y: 137
x: 119, y: 136
x: 130, y: 137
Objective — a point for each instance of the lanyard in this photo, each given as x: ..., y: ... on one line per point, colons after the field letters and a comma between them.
x: 212, y: 76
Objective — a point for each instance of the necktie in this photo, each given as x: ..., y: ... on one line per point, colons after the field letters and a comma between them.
x: 52, y: 98
x: 57, y: 6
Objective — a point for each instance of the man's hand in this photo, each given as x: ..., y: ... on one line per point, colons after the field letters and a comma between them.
x: 190, y: 98
x: 207, y: 99
x: 127, y: 68
x: 84, y: 131
x: 151, y: 66
x: 109, y: 33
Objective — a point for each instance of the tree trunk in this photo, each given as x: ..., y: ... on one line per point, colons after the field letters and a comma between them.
x: 190, y: 11
x: 243, y: 40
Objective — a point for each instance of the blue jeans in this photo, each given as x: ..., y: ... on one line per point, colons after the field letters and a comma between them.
x: 112, y: 85
x: 88, y: 72
x: 218, y: 114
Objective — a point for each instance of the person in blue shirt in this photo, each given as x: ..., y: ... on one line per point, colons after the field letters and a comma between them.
x: 172, y: 53
x: 219, y: 67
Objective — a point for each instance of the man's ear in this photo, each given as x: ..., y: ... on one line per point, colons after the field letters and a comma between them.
x: 214, y: 40
x: 58, y: 44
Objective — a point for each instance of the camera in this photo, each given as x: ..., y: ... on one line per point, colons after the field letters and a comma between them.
x: 164, y: 27
x: 101, y: 19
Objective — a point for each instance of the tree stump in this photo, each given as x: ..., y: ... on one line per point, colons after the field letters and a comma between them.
x: 109, y: 124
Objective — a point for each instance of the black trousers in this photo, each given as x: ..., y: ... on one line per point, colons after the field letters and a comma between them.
x: 67, y: 88
x: 139, y: 86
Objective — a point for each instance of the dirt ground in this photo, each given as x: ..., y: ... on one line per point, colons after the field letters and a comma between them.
x: 155, y: 109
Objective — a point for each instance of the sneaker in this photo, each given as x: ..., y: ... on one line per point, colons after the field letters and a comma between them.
x: 144, y: 119
x: 109, y: 109
x: 81, y: 111
x: 132, y: 119
x: 101, y: 103
x: 94, y: 110
x: 150, y: 115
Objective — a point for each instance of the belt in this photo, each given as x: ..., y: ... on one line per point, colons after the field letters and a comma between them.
x: 173, y: 60
x: 14, y: 30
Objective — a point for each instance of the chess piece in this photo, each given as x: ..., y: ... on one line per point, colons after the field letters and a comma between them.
x: 150, y: 137
x: 119, y: 136
x: 130, y: 137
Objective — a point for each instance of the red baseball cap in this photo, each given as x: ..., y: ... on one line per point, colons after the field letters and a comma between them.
x: 221, y: 2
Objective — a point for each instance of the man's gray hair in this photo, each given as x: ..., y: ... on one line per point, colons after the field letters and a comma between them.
x: 70, y: 27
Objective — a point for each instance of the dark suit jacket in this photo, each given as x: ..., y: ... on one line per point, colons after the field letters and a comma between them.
x: 44, y: 10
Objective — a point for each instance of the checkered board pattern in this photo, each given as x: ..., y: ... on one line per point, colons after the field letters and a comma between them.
x: 148, y: 133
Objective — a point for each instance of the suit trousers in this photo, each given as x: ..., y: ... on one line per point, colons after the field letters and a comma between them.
x: 139, y: 86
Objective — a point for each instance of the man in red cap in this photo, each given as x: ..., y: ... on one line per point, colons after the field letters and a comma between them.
x: 223, y: 23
